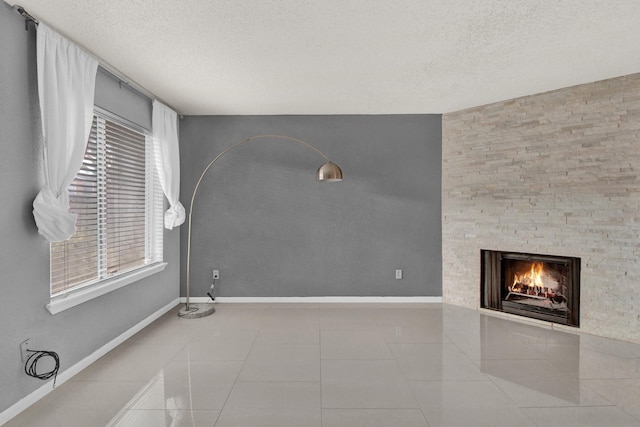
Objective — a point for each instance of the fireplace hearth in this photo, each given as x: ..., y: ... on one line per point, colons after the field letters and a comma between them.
x: 544, y: 287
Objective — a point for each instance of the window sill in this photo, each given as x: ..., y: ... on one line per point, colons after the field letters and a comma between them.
x: 67, y: 301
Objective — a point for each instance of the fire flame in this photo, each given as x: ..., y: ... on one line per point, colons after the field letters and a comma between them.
x: 532, y: 279
x: 538, y: 283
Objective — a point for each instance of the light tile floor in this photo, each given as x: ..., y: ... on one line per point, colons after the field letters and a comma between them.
x: 341, y: 365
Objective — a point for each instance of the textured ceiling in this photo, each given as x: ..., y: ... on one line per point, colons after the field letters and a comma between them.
x: 351, y: 56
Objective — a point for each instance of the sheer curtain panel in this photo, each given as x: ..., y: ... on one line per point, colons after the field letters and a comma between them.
x: 66, y: 86
x: 165, y: 141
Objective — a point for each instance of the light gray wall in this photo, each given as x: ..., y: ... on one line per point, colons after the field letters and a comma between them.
x: 273, y: 231
x: 24, y: 254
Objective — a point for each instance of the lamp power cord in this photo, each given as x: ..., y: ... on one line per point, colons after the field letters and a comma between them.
x: 213, y: 285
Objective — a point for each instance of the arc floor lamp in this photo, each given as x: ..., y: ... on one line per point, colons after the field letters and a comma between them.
x: 328, y: 172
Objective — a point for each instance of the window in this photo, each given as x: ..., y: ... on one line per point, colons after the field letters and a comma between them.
x: 119, y: 203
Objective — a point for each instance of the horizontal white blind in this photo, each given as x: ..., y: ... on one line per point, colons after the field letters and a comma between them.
x: 76, y: 260
x: 118, y: 202
x: 126, y: 202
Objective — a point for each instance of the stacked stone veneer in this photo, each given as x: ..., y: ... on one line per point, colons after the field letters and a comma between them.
x: 554, y: 173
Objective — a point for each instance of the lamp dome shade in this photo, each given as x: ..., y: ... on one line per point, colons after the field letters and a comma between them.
x: 329, y: 172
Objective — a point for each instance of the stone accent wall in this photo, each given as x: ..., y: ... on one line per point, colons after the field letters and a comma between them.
x: 553, y: 173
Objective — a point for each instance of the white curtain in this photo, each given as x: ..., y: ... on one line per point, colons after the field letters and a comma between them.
x: 165, y: 140
x: 66, y: 86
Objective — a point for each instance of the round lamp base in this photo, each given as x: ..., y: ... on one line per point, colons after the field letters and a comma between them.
x: 195, y: 311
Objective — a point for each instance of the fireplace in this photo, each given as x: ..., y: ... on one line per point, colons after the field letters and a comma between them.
x: 545, y: 287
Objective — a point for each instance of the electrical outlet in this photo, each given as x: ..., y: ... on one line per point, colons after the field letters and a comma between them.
x: 24, y: 346
x: 216, y: 274
x: 398, y: 274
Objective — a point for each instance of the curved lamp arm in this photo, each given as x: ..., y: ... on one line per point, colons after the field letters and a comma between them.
x: 329, y: 172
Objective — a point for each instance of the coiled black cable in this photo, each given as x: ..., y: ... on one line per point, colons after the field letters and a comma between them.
x: 31, y: 366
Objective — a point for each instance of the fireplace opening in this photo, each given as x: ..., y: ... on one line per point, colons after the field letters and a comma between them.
x: 545, y: 287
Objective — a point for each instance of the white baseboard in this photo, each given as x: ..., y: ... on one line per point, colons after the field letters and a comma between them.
x: 315, y: 300
x: 65, y: 376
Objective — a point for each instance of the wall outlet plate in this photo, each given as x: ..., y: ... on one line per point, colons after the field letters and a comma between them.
x: 24, y: 346
x: 216, y: 274
x: 399, y: 274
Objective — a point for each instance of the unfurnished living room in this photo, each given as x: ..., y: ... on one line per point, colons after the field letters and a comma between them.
x: 320, y: 213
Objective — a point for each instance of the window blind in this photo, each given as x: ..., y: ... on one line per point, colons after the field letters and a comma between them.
x: 76, y: 260
x: 118, y: 200
x: 126, y: 198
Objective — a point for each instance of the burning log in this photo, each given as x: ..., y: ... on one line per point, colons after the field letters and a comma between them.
x: 532, y: 284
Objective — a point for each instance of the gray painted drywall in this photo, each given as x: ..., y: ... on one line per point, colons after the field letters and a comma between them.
x: 273, y: 231
x: 24, y: 254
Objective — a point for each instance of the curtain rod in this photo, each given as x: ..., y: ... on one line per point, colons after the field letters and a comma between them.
x: 25, y: 14
x: 123, y: 79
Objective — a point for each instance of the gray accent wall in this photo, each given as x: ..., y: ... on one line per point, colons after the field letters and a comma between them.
x: 24, y: 255
x: 273, y: 231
